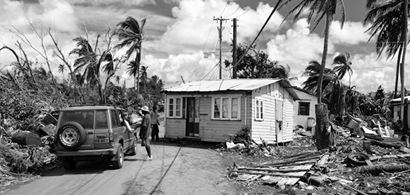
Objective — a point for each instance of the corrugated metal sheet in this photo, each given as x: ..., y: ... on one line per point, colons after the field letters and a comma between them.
x: 230, y: 85
x: 222, y: 85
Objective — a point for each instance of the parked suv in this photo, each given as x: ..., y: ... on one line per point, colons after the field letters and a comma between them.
x: 92, y: 132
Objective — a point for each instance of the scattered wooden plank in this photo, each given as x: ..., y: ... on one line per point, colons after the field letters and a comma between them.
x: 292, y: 174
x: 270, y: 179
x: 323, y: 160
x: 247, y: 177
x: 284, y: 169
x: 369, y: 163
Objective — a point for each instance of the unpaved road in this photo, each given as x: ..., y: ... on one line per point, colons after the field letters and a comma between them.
x: 194, y: 171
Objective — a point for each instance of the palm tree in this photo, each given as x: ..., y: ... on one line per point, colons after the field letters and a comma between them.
x: 342, y: 66
x: 91, y: 62
x: 130, y: 33
x: 387, y: 19
x: 319, y: 10
x: 144, y: 77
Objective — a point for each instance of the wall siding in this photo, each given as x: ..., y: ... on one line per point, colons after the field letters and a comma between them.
x: 266, y: 129
x: 305, y: 97
x: 210, y: 129
x: 222, y: 130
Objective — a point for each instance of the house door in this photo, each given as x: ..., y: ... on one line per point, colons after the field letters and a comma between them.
x: 279, y: 121
x: 192, y: 127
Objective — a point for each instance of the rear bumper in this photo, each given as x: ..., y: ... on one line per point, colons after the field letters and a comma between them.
x: 88, y: 153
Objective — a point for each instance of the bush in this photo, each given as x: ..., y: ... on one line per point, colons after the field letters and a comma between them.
x: 243, y: 136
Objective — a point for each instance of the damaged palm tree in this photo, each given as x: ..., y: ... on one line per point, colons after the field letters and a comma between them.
x: 320, y: 10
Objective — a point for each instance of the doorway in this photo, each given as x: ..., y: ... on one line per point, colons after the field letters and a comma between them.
x: 192, y: 120
x: 279, y: 121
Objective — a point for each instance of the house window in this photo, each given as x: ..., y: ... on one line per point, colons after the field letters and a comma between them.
x: 175, y: 107
x: 226, y: 108
x: 259, y: 109
x: 304, y: 108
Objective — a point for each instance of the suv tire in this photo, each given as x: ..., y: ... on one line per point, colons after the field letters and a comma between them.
x: 119, y: 158
x: 69, y: 163
x: 133, y: 149
x: 71, y: 135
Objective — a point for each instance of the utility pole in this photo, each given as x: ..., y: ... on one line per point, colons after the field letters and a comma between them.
x: 220, y: 29
x: 234, y: 65
x: 403, y: 111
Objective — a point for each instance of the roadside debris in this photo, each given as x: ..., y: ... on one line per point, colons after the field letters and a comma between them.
x: 25, y: 152
x: 368, y: 159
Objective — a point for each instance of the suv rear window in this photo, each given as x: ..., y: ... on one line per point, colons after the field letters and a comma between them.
x: 101, y: 119
x: 84, y: 117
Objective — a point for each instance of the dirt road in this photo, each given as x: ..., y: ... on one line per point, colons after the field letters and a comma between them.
x: 194, y: 171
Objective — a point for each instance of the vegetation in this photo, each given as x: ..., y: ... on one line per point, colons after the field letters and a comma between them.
x: 257, y: 65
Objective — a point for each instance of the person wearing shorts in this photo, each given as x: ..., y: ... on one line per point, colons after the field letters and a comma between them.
x: 145, y: 131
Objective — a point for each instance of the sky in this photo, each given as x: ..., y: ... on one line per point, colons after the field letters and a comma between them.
x: 181, y: 38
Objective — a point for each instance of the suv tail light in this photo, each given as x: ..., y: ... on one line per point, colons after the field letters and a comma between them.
x: 111, y: 135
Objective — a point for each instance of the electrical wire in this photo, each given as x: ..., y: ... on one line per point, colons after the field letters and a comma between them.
x: 206, y: 41
x: 243, y: 13
x: 210, y: 71
x: 259, y: 33
x: 224, y: 8
x: 233, y: 12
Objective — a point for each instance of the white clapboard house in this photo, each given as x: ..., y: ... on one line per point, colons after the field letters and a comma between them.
x: 215, y: 110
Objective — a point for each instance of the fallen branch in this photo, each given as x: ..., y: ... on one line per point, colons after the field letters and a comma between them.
x: 376, y: 169
x: 385, y: 144
x: 389, y: 156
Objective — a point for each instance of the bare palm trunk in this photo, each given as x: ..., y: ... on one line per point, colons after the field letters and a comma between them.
x: 324, y: 138
x: 399, y: 58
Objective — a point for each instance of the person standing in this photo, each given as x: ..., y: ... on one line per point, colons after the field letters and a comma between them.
x: 155, y: 124
x: 145, y: 131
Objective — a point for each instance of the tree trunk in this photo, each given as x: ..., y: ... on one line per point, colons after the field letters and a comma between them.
x: 324, y: 56
x: 324, y: 138
x: 397, y: 73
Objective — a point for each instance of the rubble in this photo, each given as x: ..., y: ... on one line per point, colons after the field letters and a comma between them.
x: 372, y: 161
x: 24, y: 154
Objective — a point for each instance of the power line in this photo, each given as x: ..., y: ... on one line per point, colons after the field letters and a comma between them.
x: 224, y: 8
x: 209, y: 32
x: 210, y: 71
x: 259, y: 33
x: 233, y: 12
x: 243, y: 13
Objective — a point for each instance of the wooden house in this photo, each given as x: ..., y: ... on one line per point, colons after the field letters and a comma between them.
x: 215, y: 110
x: 396, y: 105
x: 304, y: 108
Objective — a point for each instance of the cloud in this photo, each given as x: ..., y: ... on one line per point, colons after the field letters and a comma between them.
x: 369, y: 72
x: 352, y: 33
x: 113, y: 2
x: 54, y: 13
x: 297, y: 47
x: 191, y: 67
x: 194, y: 26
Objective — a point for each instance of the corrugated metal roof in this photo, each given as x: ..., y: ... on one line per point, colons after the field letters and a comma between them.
x: 222, y: 85
x: 229, y: 85
x: 399, y: 99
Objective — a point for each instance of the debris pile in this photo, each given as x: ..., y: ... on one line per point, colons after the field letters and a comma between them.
x: 372, y: 163
x: 25, y: 152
